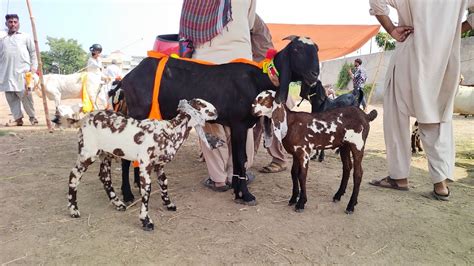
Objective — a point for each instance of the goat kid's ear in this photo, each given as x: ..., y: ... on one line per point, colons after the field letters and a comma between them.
x: 268, y: 131
x: 280, y: 123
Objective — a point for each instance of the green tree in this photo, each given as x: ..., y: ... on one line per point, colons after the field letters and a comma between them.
x: 344, y: 77
x: 65, y: 56
x: 384, y: 39
x: 469, y: 33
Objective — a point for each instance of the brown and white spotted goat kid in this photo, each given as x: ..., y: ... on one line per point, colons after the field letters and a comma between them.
x: 105, y: 134
x: 301, y: 133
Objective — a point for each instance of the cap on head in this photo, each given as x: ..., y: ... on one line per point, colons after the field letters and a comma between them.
x: 96, y: 48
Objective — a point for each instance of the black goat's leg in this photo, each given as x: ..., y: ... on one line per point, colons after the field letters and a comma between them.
x: 295, y: 172
x: 239, y: 158
x: 346, y: 170
x: 357, y: 176
x: 128, y: 197
x: 163, y: 182
x: 136, y: 176
x: 105, y: 176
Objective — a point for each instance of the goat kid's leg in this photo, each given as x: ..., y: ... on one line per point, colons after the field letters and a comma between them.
x: 295, y: 172
x: 239, y: 158
x: 357, y: 176
x: 303, y: 165
x: 163, y: 182
x: 74, y: 179
x: 145, y: 190
x: 321, y: 156
x: 346, y: 170
x: 105, y: 176
x: 128, y: 197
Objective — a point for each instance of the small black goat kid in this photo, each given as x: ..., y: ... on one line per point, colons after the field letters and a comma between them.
x: 300, y: 133
x: 106, y: 134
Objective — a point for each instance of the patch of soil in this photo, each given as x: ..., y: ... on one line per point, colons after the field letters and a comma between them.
x: 388, y: 226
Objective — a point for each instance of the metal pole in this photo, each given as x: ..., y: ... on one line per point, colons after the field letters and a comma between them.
x: 40, y: 68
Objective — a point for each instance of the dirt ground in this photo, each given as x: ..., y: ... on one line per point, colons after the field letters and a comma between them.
x: 388, y: 227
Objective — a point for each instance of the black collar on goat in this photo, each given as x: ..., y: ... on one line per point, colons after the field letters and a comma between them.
x: 230, y: 87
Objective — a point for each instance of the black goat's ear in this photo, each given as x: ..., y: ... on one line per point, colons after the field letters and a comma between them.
x: 290, y: 38
x: 285, y: 78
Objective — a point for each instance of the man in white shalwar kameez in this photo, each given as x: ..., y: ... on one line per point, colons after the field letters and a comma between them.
x: 421, y: 82
x: 17, y: 56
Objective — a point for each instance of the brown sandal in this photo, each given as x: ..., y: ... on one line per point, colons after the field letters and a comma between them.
x: 272, y: 168
x: 387, y: 182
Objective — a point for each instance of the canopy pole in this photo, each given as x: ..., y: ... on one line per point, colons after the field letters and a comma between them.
x: 40, y: 67
x: 376, y: 73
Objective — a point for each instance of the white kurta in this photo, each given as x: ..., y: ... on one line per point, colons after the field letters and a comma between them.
x: 17, y: 55
x: 425, y: 69
x: 234, y: 41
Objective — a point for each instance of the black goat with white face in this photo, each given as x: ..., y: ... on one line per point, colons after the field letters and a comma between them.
x: 316, y: 95
x: 230, y: 87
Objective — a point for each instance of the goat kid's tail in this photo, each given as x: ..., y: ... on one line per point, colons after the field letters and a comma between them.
x: 372, y: 115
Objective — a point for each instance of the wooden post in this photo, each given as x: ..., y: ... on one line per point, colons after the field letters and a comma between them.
x: 376, y: 73
x: 40, y: 68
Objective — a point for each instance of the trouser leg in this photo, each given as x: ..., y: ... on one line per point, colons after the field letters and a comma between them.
x: 396, y: 127
x: 14, y: 102
x: 438, y: 142
x: 28, y: 104
x: 216, y: 159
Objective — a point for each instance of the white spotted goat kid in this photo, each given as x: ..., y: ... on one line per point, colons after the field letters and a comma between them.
x: 302, y: 133
x: 106, y: 134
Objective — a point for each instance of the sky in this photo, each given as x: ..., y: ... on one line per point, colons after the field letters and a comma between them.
x: 131, y: 26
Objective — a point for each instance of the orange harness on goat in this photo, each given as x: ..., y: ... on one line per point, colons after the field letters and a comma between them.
x: 155, y: 105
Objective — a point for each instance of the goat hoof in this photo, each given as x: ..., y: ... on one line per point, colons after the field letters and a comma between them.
x: 349, y: 212
x: 299, y: 210
x: 121, y: 207
x: 75, y: 214
x: 336, y: 200
x: 171, y: 207
x: 128, y: 202
x: 148, y: 227
x: 248, y: 203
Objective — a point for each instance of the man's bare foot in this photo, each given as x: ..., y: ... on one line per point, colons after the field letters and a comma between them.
x: 441, y: 188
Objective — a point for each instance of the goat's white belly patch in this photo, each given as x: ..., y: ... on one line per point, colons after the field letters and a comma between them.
x: 354, y: 137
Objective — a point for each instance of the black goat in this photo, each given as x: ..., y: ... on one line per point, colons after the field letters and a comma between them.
x: 316, y: 95
x: 230, y: 87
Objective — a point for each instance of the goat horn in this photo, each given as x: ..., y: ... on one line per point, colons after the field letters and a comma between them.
x: 290, y: 38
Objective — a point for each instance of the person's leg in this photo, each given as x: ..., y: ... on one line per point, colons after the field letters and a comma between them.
x: 277, y: 153
x: 257, y: 134
x: 363, y: 102
x: 14, y: 102
x: 216, y: 159
x: 28, y: 105
x: 438, y: 142
x: 396, y: 127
